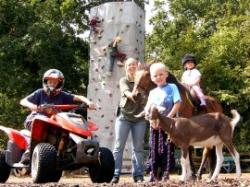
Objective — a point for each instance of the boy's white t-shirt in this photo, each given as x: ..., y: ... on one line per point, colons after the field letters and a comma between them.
x: 191, y: 76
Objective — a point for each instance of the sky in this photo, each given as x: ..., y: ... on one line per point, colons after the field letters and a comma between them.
x: 149, y: 13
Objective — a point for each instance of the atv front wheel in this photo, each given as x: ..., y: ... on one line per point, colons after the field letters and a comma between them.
x: 4, y: 168
x: 103, y: 171
x: 43, y: 164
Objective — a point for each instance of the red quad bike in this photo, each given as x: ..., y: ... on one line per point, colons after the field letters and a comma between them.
x: 62, y: 141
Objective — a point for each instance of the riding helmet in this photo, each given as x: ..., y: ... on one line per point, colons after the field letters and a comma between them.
x: 188, y: 57
x: 53, y: 74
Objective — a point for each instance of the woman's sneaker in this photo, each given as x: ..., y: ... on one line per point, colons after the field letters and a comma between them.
x: 138, y: 179
x: 115, y: 180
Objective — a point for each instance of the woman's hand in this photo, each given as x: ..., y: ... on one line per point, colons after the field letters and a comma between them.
x: 129, y: 95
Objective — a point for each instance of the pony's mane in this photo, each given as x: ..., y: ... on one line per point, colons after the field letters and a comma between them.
x: 172, y: 79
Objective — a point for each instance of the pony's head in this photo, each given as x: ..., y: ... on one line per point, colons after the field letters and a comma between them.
x: 143, y: 83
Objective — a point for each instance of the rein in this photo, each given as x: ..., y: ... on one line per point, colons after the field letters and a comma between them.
x: 188, y: 99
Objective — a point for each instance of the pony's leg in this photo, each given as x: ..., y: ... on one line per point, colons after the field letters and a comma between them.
x: 205, y: 155
x: 236, y: 158
x: 184, y: 156
x: 209, y: 155
x: 219, y: 162
x: 211, y: 161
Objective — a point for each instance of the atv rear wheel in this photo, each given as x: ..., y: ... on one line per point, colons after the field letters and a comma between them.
x: 4, y: 168
x: 43, y: 164
x: 103, y: 171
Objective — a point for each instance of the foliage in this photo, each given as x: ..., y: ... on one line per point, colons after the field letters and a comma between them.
x: 35, y: 36
x: 218, y: 33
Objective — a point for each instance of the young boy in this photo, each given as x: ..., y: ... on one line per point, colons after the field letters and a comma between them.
x: 192, y: 76
x: 167, y: 98
x: 51, y: 93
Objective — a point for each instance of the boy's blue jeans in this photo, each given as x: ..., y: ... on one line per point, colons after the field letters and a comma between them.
x: 122, y: 129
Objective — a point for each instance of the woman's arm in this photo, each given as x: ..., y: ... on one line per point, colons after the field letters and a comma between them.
x: 125, y: 90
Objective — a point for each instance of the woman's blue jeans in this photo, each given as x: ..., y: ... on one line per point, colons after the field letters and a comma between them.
x: 122, y: 129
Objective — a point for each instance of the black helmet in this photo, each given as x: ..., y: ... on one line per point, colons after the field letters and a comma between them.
x: 53, y: 74
x: 188, y: 57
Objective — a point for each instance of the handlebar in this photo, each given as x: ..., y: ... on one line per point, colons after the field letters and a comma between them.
x: 53, y: 109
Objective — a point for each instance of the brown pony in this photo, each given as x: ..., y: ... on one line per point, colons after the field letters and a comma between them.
x: 142, y: 87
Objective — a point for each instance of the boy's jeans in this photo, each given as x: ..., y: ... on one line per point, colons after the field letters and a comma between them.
x: 122, y: 129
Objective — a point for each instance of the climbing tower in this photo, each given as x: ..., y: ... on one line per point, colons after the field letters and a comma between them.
x: 124, y: 19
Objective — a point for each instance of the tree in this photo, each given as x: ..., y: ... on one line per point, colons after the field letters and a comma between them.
x: 217, y: 32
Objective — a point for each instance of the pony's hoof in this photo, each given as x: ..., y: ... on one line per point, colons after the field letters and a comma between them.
x: 193, y: 177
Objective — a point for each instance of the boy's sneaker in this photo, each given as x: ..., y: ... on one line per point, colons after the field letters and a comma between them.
x: 151, y: 178
x: 165, y: 176
x: 25, y: 160
x: 115, y: 180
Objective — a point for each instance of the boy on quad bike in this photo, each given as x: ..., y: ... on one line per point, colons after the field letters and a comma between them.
x: 51, y: 93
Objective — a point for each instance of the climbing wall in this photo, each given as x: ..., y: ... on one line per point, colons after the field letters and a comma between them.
x: 126, y: 20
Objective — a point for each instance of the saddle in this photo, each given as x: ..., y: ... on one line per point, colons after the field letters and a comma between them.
x: 195, y: 101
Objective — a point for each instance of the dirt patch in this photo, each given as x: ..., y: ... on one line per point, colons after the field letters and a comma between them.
x: 225, y: 180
